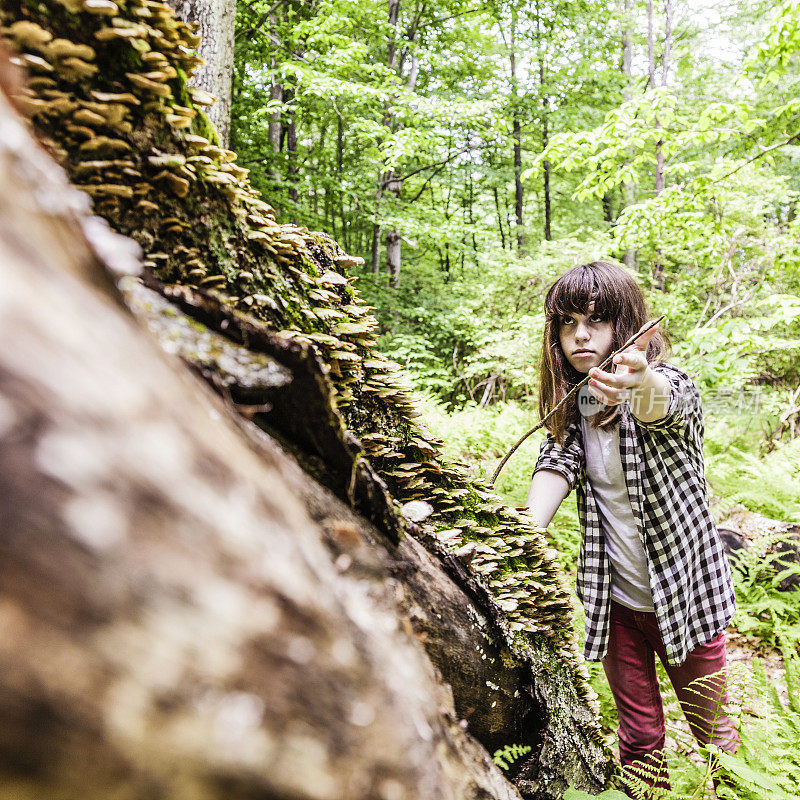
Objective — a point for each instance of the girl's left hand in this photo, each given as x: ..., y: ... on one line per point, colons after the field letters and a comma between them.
x: 613, y: 388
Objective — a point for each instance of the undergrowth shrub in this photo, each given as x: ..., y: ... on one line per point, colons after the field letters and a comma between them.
x: 766, y: 485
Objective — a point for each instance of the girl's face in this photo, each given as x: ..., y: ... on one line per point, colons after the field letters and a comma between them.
x: 586, y: 339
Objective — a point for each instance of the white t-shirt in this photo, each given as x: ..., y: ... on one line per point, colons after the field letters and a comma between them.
x: 630, y: 581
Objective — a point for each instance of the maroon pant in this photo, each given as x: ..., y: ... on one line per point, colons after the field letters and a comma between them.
x: 631, y: 671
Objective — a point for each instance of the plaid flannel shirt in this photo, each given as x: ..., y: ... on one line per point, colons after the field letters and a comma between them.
x: 663, y: 466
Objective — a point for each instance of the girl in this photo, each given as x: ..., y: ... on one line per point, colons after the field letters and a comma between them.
x: 652, y: 573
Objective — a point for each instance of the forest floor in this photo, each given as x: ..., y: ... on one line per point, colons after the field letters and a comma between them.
x: 743, y: 651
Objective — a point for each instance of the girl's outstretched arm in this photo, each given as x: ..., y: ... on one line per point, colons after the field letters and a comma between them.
x: 547, y: 492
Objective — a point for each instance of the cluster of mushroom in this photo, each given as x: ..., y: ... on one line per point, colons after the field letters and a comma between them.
x: 107, y: 126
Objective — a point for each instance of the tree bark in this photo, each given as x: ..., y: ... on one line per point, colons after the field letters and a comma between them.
x: 545, y: 126
x: 391, y: 181
x: 215, y: 20
x: 375, y: 250
x: 659, y: 181
x: 628, y: 190
x: 746, y: 530
x: 471, y: 210
x: 546, y: 163
x: 393, y: 241
x: 291, y: 152
x: 516, y: 135
x: 665, y: 63
x: 499, y: 218
x: 651, y: 46
x: 496, y: 195
x: 275, y: 125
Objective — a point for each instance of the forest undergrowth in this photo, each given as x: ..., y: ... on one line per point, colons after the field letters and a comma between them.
x: 764, y: 639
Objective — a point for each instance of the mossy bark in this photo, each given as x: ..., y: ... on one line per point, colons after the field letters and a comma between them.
x: 173, y: 624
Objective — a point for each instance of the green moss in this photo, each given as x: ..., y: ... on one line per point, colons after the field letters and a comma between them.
x: 127, y: 59
x: 201, y: 124
x: 325, y: 243
x: 180, y: 88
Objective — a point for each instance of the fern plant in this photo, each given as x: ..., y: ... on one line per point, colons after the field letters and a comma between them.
x: 763, y: 607
x: 507, y: 755
x: 767, y: 764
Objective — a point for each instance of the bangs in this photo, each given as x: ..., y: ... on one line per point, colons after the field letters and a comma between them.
x: 573, y: 291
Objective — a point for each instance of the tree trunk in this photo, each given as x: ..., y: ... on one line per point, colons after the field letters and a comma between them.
x: 393, y: 241
x: 339, y: 169
x: 665, y: 63
x: 275, y: 125
x: 376, y: 245
x: 516, y: 134
x: 744, y: 530
x: 385, y: 178
x: 628, y: 190
x: 545, y: 125
x: 391, y: 50
x: 496, y: 195
x: 518, y: 188
x: 291, y: 152
x: 659, y: 184
x: 545, y: 164
x: 170, y: 621
x: 391, y: 180
x: 659, y: 175
x: 182, y: 606
x: 499, y: 218
x: 215, y: 20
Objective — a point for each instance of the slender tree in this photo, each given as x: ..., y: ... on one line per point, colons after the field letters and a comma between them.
x: 628, y: 188
x: 516, y: 133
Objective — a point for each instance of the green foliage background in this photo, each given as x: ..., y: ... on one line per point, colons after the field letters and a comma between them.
x: 461, y: 129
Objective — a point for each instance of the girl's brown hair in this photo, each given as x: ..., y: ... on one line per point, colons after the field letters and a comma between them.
x: 617, y: 297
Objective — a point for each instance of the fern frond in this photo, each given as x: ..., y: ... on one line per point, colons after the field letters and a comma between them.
x: 506, y: 756
x: 753, y: 779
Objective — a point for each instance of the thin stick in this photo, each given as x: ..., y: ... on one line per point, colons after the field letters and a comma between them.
x: 571, y: 392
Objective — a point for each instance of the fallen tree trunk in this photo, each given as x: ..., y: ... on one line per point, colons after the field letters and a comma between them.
x: 172, y: 622
x: 266, y: 316
x: 750, y: 538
